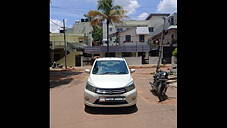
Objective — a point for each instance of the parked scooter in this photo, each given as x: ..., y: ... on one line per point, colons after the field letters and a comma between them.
x: 159, y: 85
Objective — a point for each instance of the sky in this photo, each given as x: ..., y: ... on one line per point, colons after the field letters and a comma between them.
x: 74, y: 10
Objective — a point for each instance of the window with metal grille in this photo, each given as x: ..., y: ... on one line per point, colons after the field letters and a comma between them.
x: 171, y: 21
x: 128, y: 38
x: 141, y: 38
x: 151, y: 29
x: 172, y: 36
x: 119, y: 29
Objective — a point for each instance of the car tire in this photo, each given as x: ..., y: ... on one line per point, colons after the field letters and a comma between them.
x: 87, y: 108
x: 133, y: 107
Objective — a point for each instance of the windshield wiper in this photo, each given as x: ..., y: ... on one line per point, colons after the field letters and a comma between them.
x: 114, y: 73
x: 121, y: 73
x: 109, y: 73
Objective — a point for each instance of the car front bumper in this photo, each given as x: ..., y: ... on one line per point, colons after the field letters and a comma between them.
x: 91, y: 98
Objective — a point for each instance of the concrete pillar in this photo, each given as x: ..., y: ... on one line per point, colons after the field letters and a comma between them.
x: 82, y: 60
x: 102, y: 54
x: 118, y: 54
x: 174, y: 60
x: 146, y: 54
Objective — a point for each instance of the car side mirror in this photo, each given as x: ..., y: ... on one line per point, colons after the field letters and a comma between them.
x: 87, y: 70
x: 132, y: 70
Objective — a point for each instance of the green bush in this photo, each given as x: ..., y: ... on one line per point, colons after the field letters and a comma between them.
x: 175, y: 52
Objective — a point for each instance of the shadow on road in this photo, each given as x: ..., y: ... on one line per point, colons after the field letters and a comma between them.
x: 60, y: 82
x: 153, y: 93
x: 110, y: 110
x: 58, y: 74
x: 61, y: 77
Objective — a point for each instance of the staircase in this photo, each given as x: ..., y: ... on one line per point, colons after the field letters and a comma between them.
x: 72, y: 47
x: 72, y: 51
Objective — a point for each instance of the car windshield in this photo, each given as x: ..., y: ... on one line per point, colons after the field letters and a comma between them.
x: 110, y: 67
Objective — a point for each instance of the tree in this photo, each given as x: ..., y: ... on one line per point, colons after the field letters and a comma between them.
x: 109, y: 12
x: 97, y: 34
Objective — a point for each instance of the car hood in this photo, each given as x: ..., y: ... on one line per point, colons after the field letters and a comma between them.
x: 110, y: 81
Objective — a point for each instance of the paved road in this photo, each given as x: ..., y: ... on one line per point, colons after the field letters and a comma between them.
x: 67, y: 109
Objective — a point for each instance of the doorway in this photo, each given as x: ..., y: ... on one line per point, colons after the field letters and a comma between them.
x: 78, y: 61
x: 143, y: 54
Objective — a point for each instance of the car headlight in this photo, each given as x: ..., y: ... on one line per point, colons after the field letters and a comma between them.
x: 90, y: 87
x: 130, y: 87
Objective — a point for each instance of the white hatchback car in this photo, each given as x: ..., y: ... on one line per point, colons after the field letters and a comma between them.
x: 110, y: 84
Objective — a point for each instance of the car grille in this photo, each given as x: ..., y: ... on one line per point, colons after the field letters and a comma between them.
x: 110, y: 91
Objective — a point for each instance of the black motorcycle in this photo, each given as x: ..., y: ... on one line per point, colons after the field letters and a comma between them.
x: 159, y: 85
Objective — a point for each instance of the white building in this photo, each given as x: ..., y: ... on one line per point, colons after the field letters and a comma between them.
x: 134, y: 33
x: 132, y: 38
x: 169, y: 40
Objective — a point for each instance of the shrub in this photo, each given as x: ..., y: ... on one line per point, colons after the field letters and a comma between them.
x: 175, y: 52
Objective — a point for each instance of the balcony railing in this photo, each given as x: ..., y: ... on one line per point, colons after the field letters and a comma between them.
x: 125, y: 48
x: 134, y: 43
x: 70, y: 45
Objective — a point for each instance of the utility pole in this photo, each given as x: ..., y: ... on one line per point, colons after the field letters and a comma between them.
x: 53, y: 43
x: 65, y: 43
x: 107, y: 25
x: 161, y: 47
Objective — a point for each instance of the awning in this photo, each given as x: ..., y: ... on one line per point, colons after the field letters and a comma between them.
x: 172, y: 27
x: 142, y: 30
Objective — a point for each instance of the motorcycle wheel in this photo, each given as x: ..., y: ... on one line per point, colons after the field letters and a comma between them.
x: 154, y: 89
x: 165, y: 96
x: 160, y: 91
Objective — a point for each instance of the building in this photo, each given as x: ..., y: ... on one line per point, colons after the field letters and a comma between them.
x: 132, y: 38
x: 133, y: 28
x: 84, y: 28
x: 77, y: 37
x: 169, y: 39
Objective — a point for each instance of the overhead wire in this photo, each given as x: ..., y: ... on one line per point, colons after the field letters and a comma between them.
x: 55, y: 23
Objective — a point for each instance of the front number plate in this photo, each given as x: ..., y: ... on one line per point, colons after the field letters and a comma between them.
x: 102, y: 99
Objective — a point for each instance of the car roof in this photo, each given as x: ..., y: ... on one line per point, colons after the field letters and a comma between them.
x: 109, y: 58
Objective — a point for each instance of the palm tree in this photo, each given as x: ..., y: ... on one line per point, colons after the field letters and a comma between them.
x: 109, y: 12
